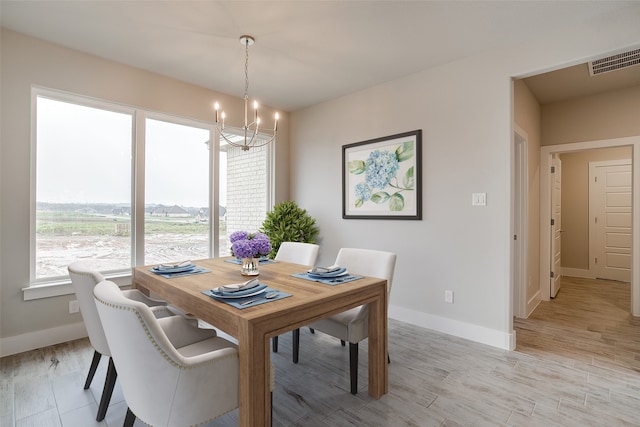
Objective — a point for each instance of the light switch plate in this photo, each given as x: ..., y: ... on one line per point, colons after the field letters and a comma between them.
x: 479, y: 199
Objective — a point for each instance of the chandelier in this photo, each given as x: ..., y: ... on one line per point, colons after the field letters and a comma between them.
x: 234, y: 135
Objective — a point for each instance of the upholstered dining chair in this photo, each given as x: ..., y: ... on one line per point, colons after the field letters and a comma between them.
x: 172, y: 373
x: 352, y: 325
x: 297, y: 253
x: 83, y: 280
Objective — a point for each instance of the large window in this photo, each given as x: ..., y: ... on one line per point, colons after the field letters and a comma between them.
x: 118, y: 186
x: 176, y: 224
x: 83, y: 187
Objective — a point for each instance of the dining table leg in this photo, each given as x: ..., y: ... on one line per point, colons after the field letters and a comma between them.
x: 254, y: 398
x: 378, y: 345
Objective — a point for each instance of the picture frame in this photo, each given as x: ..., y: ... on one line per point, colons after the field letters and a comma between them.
x: 382, y: 178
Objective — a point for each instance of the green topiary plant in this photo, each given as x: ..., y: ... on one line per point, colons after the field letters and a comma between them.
x: 289, y: 223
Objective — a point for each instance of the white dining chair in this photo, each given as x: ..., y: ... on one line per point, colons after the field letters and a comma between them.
x: 352, y: 325
x: 83, y: 280
x: 298, y: 253
x: 172, y: 373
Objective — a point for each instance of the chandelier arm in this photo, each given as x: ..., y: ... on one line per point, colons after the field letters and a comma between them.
x: 262, y: 144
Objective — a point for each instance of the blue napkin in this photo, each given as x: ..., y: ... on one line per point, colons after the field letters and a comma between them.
x: 328, y: 280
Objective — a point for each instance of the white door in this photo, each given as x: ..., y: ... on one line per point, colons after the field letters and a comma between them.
x: 556, y: 224
x: 610, y: 220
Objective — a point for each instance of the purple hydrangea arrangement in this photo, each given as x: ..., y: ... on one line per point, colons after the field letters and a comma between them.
x: 249, y: 245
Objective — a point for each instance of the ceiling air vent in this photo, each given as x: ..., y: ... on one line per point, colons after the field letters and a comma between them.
x: 615, y: 62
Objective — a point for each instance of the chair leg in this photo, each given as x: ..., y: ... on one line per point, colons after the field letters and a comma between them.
x: 313, y: 331
x: 296, y: 344
x: 353, y: 366
x: 274, y: 344
x: 388, y: 359
x: 92, y: 369
x: 129, y: 419
x: 109, y: 383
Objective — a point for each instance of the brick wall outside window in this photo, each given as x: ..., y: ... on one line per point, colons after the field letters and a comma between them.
x: 246, y: 191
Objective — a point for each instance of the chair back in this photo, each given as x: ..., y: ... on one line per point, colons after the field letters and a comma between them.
x: 83, y: 280
x: 368, y: 262
x: 161, y: 385
x: 298, y: 253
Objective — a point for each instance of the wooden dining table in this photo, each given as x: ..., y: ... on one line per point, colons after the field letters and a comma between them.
x: 255, y: 325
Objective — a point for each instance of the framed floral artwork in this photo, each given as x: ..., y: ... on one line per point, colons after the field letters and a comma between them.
x: 381, y: 178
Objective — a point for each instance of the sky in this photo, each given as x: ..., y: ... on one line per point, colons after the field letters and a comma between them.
x: 84, y: 156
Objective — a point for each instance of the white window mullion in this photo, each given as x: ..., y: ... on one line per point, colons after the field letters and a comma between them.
x: 138, y: 197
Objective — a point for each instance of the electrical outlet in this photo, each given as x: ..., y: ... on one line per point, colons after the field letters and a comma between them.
x: 448, y: 297
x: 73, y: 306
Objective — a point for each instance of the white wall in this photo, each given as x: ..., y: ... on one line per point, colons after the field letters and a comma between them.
x: 465, y: 112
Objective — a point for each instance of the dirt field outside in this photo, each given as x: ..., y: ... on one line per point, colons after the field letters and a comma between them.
x: 111, y: 249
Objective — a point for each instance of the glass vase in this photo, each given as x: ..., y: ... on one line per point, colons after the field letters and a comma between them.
x: 250, y: 266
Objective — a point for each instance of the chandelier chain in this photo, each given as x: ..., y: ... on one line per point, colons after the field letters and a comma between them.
x: 246, y: 70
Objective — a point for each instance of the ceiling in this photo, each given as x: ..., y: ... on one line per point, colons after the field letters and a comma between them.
x: 306, y: 52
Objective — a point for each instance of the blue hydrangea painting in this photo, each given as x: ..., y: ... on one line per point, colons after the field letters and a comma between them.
x: 381, y: 178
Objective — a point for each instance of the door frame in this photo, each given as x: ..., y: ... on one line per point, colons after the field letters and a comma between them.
x: 545, y: 210
x: 520, y: 221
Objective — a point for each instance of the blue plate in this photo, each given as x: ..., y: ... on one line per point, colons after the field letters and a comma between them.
x: 258, y: 289
x: 181, y: 269
x: 336, y: 273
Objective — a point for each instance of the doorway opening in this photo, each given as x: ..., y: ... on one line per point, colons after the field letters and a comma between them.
x: 546, y: 230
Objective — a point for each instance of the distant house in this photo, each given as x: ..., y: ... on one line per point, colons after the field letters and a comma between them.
x: 174, y: 211
x: 203, y: 214
x: 121, y: 211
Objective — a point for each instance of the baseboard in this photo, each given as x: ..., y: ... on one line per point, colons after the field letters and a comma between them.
x: 469, y: 331
x: 577, y: 272
x: 74, y: 331
x: 38, y: 339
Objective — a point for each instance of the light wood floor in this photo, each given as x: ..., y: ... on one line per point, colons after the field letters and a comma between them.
x: 575, y: 365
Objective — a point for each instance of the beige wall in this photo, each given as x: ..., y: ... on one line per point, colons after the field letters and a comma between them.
x: 26, y: 62
x: 465, y: 110
x: 527, y: 117
x: 608, y: 115
x: 575, y: 202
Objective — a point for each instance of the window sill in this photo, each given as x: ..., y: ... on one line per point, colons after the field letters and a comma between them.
x: 64, y: 287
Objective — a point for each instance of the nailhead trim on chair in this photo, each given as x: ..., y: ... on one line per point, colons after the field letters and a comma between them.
x: 162, y: 309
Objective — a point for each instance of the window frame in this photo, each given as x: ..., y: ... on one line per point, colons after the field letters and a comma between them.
x: 61, y: 285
